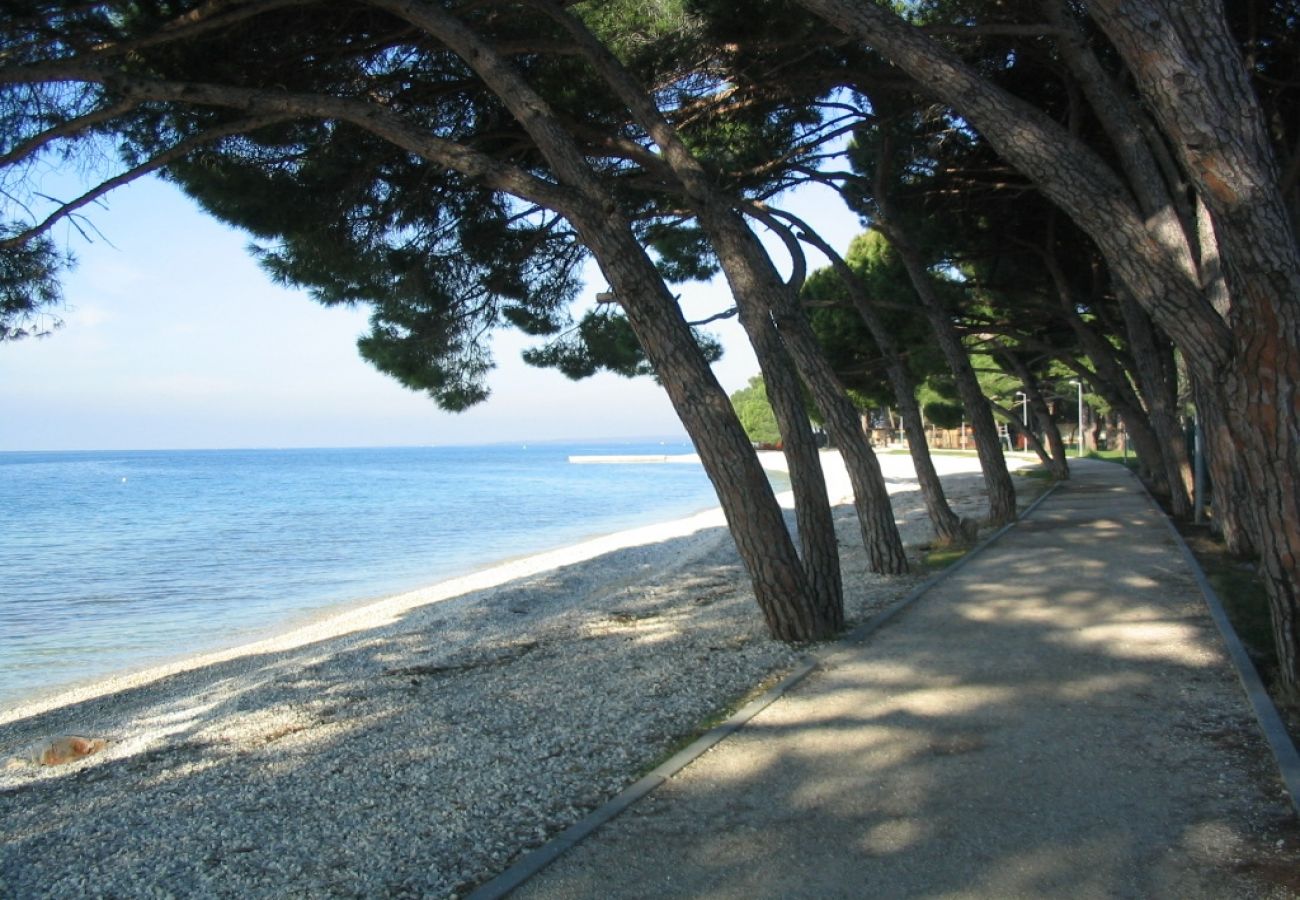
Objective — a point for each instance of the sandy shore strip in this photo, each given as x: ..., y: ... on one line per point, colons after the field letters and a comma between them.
x: 412, y: 747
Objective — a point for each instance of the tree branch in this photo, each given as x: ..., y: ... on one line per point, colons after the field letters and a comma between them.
x: 371, y: 117
x: 153, y: 165
x: 725, y: 314
x: 66, y: 129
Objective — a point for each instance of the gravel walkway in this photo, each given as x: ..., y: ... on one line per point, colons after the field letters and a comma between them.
x: 1057, y: 719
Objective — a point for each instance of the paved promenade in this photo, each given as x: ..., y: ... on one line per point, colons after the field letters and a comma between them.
x: 1057, y: 719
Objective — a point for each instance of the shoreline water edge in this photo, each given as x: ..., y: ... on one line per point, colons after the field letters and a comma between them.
x: 341, y: 619
x: 120, y: 562
x: 414, y: 746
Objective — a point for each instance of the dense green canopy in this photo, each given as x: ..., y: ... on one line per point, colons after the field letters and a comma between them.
x: 1118, y: 193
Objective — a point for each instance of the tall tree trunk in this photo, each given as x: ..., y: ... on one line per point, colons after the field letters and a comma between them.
x: 1145, y: 445
x: 1231, y: 518
x: 1112, y: 381
x: 997, y: 480
x: 780, y: 586
x: 1190, y: 71
x: 1095, y: 423
x: 1168, y: 215
x: 1060, y: 466
x: 1230, y: 511
x: 1152, y: 378
x: 791, y: 609
x: 816, y: 525
x: 1054, y: 457
x: 755, y: 283
x: 949, y: 528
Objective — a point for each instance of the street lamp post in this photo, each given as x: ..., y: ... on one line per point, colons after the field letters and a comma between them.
x: 1024, y: 416
x: 1079, y: 385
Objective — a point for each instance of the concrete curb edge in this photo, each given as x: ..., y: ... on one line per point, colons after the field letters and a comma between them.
x: 536, y: 860
x: 1266, y: 714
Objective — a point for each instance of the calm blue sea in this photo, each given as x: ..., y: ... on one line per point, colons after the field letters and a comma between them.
x: 113, y: 560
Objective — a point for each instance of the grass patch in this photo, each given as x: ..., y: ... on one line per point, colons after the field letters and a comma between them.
x: 1241, y: 590
x: 1115, y: 456
x: 1040, y: 473
x: 903, y: 451
x: 939, y: 558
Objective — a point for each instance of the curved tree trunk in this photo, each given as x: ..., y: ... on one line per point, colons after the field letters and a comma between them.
x: 756, y: 521
x: 816, y: 526
x: 1016, y: 426
x: 948, y: 527
x: 1146, y: 446
x: 1112, y: 382
x: 997, y: 480
x: 1230, y: 507
x: 1161, y: 397
x: 870, y: 496
x: 1054, y: 456
x: 755, y: 283
x: 791, y: 609
x: 1060, y: 465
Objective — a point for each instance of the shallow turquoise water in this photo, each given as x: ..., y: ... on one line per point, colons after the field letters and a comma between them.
x: 113, y: 560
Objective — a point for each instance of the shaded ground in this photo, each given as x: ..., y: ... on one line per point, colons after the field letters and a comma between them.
x: 408, y: 748
x: 1240, y: 588
x: 1057, y: 719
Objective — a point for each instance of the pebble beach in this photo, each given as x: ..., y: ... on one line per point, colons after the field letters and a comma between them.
x: 414, y: 746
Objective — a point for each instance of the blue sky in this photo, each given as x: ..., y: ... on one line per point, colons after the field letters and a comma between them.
x: 175, y: 339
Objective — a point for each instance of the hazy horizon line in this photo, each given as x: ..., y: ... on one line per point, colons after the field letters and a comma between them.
x: 679, y: 438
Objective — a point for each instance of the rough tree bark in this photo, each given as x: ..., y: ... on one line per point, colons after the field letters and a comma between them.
x: 1152, y: 378
x: 1167, y: 213
x: 997, y: 480
x: 792, y: 610
x: 816, y: 525
x: 1190, y: 71
x: 1230, y: 513
x: 754, y: 280
x: 756, y: 285
x: 949, y: 528
x: 780, y: 584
